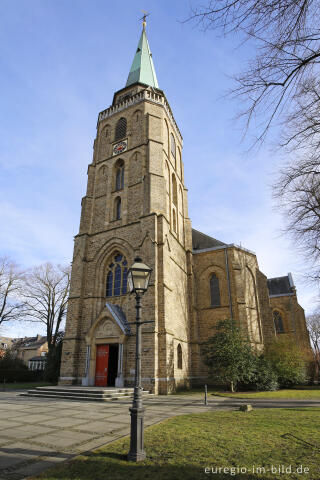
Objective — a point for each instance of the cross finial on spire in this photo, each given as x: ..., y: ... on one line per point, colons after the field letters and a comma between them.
x: 145, y: 15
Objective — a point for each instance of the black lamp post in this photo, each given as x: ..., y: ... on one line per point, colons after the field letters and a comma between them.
x: 138, y: 281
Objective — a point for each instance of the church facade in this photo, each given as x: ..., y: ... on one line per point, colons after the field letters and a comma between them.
x: 136, y: 204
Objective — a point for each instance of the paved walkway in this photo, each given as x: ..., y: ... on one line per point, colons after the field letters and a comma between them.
x: 37, y: 433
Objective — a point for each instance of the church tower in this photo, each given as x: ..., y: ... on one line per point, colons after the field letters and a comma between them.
x: 135, y: 205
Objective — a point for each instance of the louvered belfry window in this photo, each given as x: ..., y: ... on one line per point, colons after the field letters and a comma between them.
x: 121, y: 128
x: 214, y: 291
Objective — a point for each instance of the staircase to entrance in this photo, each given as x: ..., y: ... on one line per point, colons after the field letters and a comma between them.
x: 86, y: 394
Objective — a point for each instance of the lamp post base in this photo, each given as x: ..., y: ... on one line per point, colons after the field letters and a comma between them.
x: 136, y: 457
x: 137, y: 453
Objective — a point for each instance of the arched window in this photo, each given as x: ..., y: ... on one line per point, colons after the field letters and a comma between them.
x: 119, y: 184
x: 121, y: 128
x: 109, y: 283
x: 278, y: 322
x: 117, y: 276
x: 124, y: 280
x: 137, y: 116
x: 117, y: 281
x: 174, y: 220
x: 173, y: 145
x: 174, y: 189
x: 179, y: 356
x: 214, y: 291
x: 104, y: 170
x: 117, y: 208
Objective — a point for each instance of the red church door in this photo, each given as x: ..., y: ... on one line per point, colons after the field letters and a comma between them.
x: 102, y: 361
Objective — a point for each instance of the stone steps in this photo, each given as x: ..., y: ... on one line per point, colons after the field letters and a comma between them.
x: 85, y: 394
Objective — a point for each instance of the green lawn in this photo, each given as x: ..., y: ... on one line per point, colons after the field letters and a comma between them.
x: 312, y: 392
x: 22, y: 385
x: 299, y: 393
x: 182, y: 447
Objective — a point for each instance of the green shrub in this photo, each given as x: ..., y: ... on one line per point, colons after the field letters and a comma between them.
x: 288, y: 361
x: 232, y: 360
x: 13, y: 369
x: 229, y: 355
x: 11, y: 362
x: 12, y: 375
x: 266, y: 377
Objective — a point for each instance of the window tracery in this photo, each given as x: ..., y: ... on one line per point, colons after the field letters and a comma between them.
x: 116, y: 283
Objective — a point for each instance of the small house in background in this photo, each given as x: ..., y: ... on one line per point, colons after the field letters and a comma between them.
x: 38, y: 363
x: 5, y: 344
x: 32, y: 351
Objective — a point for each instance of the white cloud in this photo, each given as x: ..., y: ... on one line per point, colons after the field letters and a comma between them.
x: 22, y: 329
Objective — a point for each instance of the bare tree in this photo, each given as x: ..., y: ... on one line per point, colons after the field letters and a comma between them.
x: 298, y: 193
x: 286, y: 34
x: 11, y: 308
x: 313, y: 324
x: 281, y: 85
x: 45, y: 298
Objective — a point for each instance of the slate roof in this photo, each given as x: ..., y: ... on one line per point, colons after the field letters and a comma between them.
x: 39, y: 342
x: 281, y: 285
x: 201, y: 241
x: 119, y: 316
x: 30, y: 342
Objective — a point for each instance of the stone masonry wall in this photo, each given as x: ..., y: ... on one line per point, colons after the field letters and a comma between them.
x: 250, y: 307
x: 294, y: 322
x: 153, y: 224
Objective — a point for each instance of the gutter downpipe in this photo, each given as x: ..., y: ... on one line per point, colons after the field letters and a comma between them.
x: 228, y: 280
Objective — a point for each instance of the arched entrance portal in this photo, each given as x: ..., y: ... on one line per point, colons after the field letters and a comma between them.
x: 105, y: 340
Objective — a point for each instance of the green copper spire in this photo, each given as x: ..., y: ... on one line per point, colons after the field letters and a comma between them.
x: 142, y: 69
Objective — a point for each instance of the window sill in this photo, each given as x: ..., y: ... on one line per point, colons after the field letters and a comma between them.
x: 117, y: 296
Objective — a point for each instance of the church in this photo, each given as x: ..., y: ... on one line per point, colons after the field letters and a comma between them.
x: 136, y: 204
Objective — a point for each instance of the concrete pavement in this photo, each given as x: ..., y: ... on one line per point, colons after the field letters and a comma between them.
x: 36, y: 433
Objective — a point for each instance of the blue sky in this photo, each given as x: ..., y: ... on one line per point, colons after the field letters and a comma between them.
x: 60, y: 62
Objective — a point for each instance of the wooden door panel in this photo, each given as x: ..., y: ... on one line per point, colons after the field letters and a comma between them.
x: 102, y: 361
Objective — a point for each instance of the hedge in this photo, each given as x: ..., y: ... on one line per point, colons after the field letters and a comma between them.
x: 10, y: 376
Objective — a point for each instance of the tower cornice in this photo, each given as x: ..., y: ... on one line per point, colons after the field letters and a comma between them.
x: 146, y: 95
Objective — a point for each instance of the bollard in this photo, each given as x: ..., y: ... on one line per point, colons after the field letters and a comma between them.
x: 205, y: 395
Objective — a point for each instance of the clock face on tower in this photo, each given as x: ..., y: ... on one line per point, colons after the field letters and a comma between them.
x: 120, y: 147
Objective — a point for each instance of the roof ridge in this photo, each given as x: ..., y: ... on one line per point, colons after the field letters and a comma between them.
x: 209, y: 236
